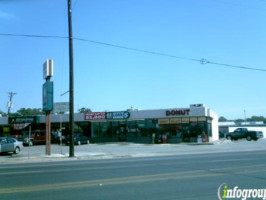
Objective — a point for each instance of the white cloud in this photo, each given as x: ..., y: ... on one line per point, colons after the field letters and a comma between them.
x: 7, y: 16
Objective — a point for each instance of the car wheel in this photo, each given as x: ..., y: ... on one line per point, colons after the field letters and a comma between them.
x: 228, y: 137
x: 17, y: 150
x: 248, y: 138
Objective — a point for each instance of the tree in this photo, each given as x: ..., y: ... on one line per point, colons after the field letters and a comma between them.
x: 84, y: 110
x: 222, y: 119
x: 256, y: 119
x: 3, y: 114
x: 29, y: 111
x: 239, y: 120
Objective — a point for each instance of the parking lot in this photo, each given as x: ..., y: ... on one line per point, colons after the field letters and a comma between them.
x: 126, y: 150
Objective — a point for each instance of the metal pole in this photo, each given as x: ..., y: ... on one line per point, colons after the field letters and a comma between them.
x: 48, y: 130
x: 48, y: 134
x: 29, y: 142
x: 71, y: 83
x: 61, y: 134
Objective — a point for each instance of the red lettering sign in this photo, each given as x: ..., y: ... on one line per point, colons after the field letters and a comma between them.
x: 95, y: 116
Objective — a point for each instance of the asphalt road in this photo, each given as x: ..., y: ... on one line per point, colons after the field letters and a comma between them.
x: 170, y: 177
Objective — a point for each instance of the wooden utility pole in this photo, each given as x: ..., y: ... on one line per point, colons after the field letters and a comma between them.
x: 71, y: 83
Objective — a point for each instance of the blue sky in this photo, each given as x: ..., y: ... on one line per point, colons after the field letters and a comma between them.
x: 114, y: 79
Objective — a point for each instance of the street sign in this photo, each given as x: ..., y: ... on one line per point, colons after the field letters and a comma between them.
x: 48, y: 96
x: 48, y: 69
x: 61, y: 107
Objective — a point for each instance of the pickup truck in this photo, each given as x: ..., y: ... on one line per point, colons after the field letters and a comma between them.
x: 240, y: 133
x: 37, y: 137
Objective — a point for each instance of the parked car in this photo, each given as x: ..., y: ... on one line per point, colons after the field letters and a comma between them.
x: 9, y: 144
x: 78, y: 139
x: 244, y: 133
x: 37, y: 137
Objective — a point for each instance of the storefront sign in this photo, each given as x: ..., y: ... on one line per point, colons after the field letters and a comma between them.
x: 21, y: 120
x: 48, y: 96
x: 117, y: 115
x: 177, y: 112
x: 20, y: 126
x: 48, y: 69
x: 193, y: 119
x: 106, y: 115
x: 175, y: 121
x: 163, y: 121
x: 185, y: 120
x: 201, y: 119
x: 61, y: 107
x: 95, y: 116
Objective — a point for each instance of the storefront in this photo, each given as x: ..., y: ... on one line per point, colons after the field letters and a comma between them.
x: 193, y: 124
x: 147, y: 126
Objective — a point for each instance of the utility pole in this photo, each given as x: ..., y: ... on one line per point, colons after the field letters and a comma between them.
x: 9, y: 105
x: 71, y: 82
x: 48, y: 128
x: 48, y: 101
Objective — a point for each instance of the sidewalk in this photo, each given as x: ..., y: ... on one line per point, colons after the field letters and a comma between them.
x: 127, y: 150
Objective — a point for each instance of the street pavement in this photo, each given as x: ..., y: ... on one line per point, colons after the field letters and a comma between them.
x: 129, y: 150
x: 178, y: 177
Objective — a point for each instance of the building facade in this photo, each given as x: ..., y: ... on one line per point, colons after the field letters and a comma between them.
x: 142, y: 126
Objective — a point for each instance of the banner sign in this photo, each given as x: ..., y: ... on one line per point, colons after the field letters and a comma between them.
x: 21, y: 120
x: 106, y: 115
x: 48, y: 96
x: 117, y: 115
x: 61, y: 107
x: 20, y: 126
x: 48, y: 69
x: 95, y: 116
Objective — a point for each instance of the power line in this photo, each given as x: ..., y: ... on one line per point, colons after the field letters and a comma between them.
x: 201, y: 61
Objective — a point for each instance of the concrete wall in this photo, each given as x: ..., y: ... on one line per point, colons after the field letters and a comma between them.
x: 215, y: 128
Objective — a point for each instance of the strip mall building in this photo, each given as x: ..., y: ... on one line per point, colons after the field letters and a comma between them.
x: 176, y: 124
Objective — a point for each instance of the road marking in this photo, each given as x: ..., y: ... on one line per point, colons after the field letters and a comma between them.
x: 113, y: 167
x: 110, y: 181
x: 134, y: 179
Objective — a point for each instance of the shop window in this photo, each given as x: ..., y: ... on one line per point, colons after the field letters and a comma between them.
x: 132, y: 128
x: 150, y: 127
x: 140, y: 124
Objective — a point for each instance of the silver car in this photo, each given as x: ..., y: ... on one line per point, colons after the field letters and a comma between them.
x: 8, y: 144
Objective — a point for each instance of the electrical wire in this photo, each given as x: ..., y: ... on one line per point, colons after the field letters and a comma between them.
x: 201, y: 61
